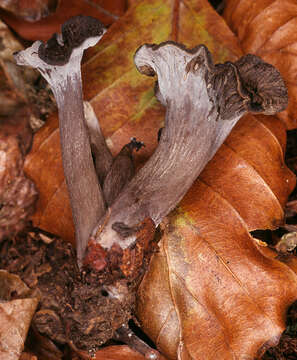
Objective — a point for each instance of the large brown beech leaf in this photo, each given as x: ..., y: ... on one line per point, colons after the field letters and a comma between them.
x: 268, y: 29
x: 210, y: 291
x: 104, y: 10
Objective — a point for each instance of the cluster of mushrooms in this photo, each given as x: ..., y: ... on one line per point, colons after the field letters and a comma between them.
x: 116, y: 212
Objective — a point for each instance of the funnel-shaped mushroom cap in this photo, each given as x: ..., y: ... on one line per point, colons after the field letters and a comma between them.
x: 75, y: 31
x: 249, y: 84
x: 61, y: 55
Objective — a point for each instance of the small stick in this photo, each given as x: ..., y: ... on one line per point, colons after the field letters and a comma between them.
x: 127, y: 336
x: 100, y: 151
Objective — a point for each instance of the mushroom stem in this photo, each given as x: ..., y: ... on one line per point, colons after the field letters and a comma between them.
x: 82, y: 183
x: 100, y: 151
x: 59, y: 63
x: 203, y: 102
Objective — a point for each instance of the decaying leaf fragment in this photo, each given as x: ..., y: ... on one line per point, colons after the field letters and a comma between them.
x: 15, y: 82
x: 288, y: 242
x: 17, y: 193
x: 106, y: 11
x: 20, y: 86
x: 17, y: 308
x: 30, y: 11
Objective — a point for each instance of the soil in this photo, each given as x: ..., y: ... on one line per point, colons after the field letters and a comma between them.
x: 75, y: 307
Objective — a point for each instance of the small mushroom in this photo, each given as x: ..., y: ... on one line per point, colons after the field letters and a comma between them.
x: 59, y: 62
x: 203, y: 103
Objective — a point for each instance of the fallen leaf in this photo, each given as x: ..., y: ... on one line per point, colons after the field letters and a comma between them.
x: 104, y: 10
x: 209, y: 290
x: 15, y: 319
x: 119, y: 352
x: 17, y: 193
x: 15, y: 315
x: 210, y: 282
x: 12, y: 82
x: 115, y: 7
x: 20, y: 85
x: 32, y: 10
x: 9, y: 44
x: 11, y: 286
x: 28, y: 356
x: 268, y: 29
x: 43, y: 347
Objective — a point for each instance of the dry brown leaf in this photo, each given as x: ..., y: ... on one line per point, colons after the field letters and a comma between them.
x: 210, y: 282
x: 17, y: 193
x: 8, y: 42
x: 209, y: 290
x: 32, y: 10
x: 19, y: 85
x: 15, y: 319
x: 11, y: 286
x: 28, y: 356
x: 12, y: 79
x: 104, y: 10
x: 268, y: 29
x: 15, y: 315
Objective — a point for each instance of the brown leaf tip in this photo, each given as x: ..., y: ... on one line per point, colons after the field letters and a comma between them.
x: 75, y: 31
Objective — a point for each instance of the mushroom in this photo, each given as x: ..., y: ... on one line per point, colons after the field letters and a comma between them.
x: 59, y: 63
x: 203, y: 103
